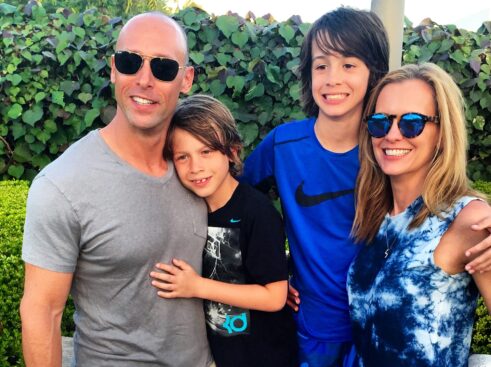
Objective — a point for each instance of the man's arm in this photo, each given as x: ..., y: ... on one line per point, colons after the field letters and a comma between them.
x: 41, y: 309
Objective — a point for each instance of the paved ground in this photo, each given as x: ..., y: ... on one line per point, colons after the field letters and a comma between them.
x: 67, y: 345
x: 475, y: 360
x: 480, y: 360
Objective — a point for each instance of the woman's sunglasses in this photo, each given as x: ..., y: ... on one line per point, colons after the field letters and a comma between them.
x: 130, y: 62
x: 410, y: 124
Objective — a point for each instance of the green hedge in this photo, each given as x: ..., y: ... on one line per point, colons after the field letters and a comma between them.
x: 54, y: 77
x: 12, y: 212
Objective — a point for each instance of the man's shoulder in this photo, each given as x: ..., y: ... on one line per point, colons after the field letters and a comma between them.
x: 73, y: 159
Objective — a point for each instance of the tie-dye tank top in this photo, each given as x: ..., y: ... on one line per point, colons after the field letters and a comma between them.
x: 405, y: 310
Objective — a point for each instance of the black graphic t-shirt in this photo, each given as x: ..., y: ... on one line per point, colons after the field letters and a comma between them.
x: 246, y: 245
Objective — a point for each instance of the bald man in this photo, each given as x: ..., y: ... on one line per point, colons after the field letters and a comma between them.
x: 101, y: 215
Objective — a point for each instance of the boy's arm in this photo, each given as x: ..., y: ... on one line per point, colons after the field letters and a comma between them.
x: 180, y: 280
x: 482, y: 263
x: 41, y: 309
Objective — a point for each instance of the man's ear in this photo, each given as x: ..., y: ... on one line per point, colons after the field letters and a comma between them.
x: 187, y: 81
x: 113, y: 70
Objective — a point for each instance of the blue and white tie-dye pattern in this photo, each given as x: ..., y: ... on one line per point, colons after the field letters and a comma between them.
x: 405, y: 310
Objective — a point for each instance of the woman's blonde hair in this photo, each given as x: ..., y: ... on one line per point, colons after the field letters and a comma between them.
x: 446, y: 180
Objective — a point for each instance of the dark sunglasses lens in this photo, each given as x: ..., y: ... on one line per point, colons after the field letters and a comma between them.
x: 411, y: 125
x: 378, y: 125
x: 127, y: 62
x: 164, y: 69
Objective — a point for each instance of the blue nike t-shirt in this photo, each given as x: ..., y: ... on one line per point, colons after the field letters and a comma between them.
x: 316, y: 189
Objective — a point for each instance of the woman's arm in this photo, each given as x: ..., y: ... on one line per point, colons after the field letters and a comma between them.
x: 179, y: 280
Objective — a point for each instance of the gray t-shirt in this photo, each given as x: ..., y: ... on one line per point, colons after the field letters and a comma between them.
x: 91, y: 214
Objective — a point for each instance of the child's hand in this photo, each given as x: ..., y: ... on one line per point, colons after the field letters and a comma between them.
x: 178, y: 280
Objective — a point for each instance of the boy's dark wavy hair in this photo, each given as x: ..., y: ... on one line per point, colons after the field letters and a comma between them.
x: 352, y: 33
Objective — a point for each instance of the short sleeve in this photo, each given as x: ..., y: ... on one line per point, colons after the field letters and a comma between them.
x: 259, y: 166
x: 51, y: 231
x: 266, y: 256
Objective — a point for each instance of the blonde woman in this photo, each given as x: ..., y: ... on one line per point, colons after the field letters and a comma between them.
x: 411, y: 300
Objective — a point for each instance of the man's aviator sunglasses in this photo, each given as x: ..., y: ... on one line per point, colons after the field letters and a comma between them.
x: 410, y: 124
x: 162, y: 68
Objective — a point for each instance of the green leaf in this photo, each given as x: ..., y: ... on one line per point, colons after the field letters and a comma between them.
x: 15, y: 79
x: 22, y: 153
x: 16, y: 171
x: 30, y: 117
x: 485, y: 101
x: 90, y: 116
x: 64, y: 56
x: 264, y: 117
x: 189, y: 18
x: 445, y: 46
x: 458, y: 56
x: 478, y: 122
x: 217, y: 87
x: 240, y: 38
x: 39, y: 96
x: 223, y: 59
x: 256, y: 91
x: 227, y: 24
x: 43, y: 136
x: 18, y: 130
x: 26, y: 55
x: 29, y: 138
x: 196, y: 57
x: 13, y: 91
x: 287, y: 32
x: 273, y: 73
x: 7, y: 9
x: 248, y: 132
x: 57, y: 97
x: 304, y: 28
x: 50, y: 126
x: 80, y: 32
x: 85, y: 97
x: 295, y: 92
x: 236, y: 82
x: 15, y: 111
x: 7, y: 41
x: 69, y: 86
x: 41, y: 161
x: 475, y: 95
x: 70, y: 107
x: 11, y: 68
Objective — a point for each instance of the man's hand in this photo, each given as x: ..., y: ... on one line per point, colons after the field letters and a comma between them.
x: 178, y: 280
x: 482, y: 263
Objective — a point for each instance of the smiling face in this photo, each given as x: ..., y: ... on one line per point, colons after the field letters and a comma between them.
x: 399, y: 157
x: 145, y: 102
x: 339, y: 85
x: 202, y: 170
